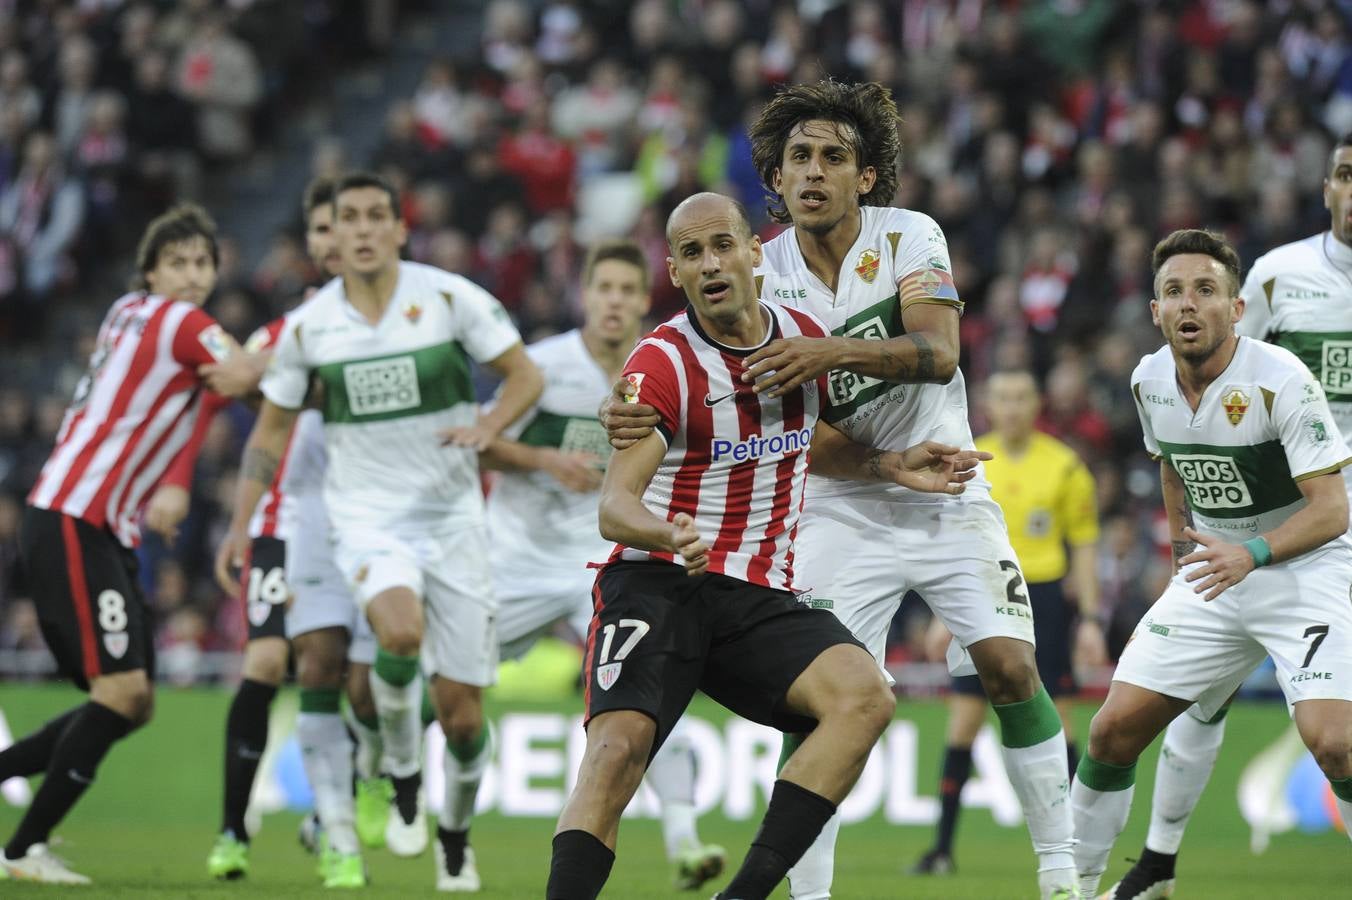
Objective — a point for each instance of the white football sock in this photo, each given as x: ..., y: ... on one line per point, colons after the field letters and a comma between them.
x: 462, y: 785
x: 810, y: 878
x: 1038, y: 775
x: 369, y: 745
x: 326, y: 751
x: 671, y: 775
x: 400, y: 712
x: 1100, y: 817
x: 1186, y: 759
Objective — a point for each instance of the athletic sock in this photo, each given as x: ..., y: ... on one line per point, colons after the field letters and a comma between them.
x: 1101, y: 800
x: 1034, y: 750
x: 1161, y: 865
x: 75, y: 760
x: 397, y: 690
x: 453, y: 844
x: 578, y: 867
x: 326, y: 752
x: 792, y: 822
x: 1187, y: 757
x: 464, y: 765
x: 1342, y: 795
x: 366, y: 753
x: 30, y: 755
x: 246, y: 736
x: 671, y: 775
x: 810, y: 878
x: 957, y: 769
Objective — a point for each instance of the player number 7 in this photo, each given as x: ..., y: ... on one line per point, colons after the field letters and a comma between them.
x: 1319, y: 632
x: 640, y: 629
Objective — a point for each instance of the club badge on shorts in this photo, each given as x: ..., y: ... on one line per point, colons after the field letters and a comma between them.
x: 607, y: 675
x: 115, y: 642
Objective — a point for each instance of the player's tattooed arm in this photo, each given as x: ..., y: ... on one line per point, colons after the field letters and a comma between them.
x: 926, y: 354
x: 259, y: 465
x: 262, y: 456
x: 928, y: 466
x: 1178, y: 512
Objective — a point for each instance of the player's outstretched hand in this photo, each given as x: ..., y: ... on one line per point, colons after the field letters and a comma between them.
x: 167, y: 509
x: 1091, y: 647
x: 1225, y: 566
x: 937, y: 468
x: 783, y: 365
x: 575, y: 470
x: 230, y: 560
x: 686, y: 541
x: 235, y: 376
x: 625, y: 420
x: 475, y: 437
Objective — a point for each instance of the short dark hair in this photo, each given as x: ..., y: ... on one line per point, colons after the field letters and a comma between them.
x: 1201, y: 241
x: 869, y: 111
x: 621, y: 249
x: 1344, y: 141
x: 353, y: 180
x: 319, y: 192
x: 182, y: 222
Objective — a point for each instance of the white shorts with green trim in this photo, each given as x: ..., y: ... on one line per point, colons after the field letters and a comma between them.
x: 860, y: 556
x: 1300, y: 615
x: 450, y: 575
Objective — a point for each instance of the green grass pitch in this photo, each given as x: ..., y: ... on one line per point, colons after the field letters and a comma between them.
x: 144, y: 829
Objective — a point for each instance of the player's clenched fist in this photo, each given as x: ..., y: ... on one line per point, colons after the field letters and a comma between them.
x: 686, y: 541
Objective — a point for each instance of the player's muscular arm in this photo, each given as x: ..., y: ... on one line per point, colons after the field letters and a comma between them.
x: 262, y: 455
x: 1323, y: 518
x: 624, y: 519
x: 926, y: 353
x: 522, y: 384
x: 576, y: 471
x: 626, y: 422
x: 928, y: 466
x: 1176, y: 508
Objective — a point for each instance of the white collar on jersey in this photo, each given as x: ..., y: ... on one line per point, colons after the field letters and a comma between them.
x: 771, y: 333
x: 1337, y: 252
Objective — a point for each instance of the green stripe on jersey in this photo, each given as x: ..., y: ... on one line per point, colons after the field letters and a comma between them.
x: 847, y: 392
x: 420, y: 381
x: 1328, y: 354
x: 1233, y: 482
x: 568, y: 433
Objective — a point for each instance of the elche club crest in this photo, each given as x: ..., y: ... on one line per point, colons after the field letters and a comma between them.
x: 1236, y: 404
x: 607, y: 675
x: 867, y: 266
x: 413, y: 312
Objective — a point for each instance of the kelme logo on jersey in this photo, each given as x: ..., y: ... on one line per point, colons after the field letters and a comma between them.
x: 382, y: 385
x: 1336, y: 373
x: 1213, y: 482
x: 845, y: 386
x: 756, y: 446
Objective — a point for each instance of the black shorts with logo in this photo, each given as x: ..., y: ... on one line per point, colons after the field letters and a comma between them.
x: 88, y: 601
x: 263, y: 583
x: 1052, y: 619
x: 657, y: 635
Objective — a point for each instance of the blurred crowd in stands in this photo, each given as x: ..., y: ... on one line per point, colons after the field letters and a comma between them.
x: 1054, y: 141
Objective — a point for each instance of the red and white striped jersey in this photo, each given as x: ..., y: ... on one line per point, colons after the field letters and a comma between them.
x: 132, y: 413
x: 736, y: 461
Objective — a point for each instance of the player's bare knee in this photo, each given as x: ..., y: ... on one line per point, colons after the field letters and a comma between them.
x: 462, y: 725
x: 618, y: 751
x: 1333, y: 751
x: 1010, y: 678
x: 1109, y: 741
x: 265, y: 660
x: 401, y: 639
x: 319, y: 671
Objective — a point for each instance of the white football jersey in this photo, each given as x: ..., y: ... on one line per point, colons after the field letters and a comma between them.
x: 1259, y: 429
x: 389, y: 389
x: 1299, y: 296
x: 892, y: 244
x: 537, y: 528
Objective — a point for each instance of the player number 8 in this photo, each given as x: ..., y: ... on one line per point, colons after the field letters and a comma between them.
x: 112, y: 611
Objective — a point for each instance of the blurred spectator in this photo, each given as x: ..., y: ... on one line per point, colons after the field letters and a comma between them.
x: 219, y: 73
x: 543, y: 161
x: 40, y: 215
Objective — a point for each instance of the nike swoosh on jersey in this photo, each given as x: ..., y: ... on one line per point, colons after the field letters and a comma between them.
x: 710, y: 400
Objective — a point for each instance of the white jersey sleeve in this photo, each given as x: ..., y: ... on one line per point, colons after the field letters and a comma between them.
x: 1313, y: 444
x: 287, y: 377
x: 481, y: 323
x: 1257, y: 319
x: 1152, y: 446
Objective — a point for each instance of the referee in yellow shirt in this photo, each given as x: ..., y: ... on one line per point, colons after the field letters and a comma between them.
x: 1047, y: 495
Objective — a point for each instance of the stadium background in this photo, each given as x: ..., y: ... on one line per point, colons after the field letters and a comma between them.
x: 1053, y: 140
